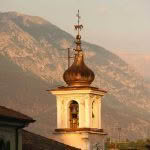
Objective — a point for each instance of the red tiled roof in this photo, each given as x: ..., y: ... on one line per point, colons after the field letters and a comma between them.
x: 32, y: 141
x: 7, y: 113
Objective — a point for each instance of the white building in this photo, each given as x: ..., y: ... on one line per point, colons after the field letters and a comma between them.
x: 79, y: 104
x: 11, y: 125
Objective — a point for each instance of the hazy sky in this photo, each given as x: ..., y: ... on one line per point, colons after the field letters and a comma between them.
x: 113, y: 24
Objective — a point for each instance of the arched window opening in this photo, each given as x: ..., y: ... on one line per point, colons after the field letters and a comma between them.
x: 95, y: 114
x: 93, y: 109
x: 74, y: 114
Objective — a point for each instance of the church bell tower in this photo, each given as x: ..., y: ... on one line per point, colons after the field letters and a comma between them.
x: 79, y: 104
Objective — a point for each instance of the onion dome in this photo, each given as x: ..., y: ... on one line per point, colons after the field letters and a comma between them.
x: 78, y: 74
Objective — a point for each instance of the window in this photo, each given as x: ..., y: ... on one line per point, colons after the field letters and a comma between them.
x: 4, y: 145
x: 74, y: 114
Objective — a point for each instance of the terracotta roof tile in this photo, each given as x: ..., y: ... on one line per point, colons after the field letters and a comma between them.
x: 11, y: 114
x: 32, y: 141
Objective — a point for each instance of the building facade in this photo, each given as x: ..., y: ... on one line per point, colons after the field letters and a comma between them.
x: 11, y: 125
x: 14, y: 137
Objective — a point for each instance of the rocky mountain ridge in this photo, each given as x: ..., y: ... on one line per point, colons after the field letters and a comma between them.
x: 32, y: 60
x: 139, y: 60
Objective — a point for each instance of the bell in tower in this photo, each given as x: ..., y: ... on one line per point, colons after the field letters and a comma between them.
x: 79, y: 103
x: 74, y: 115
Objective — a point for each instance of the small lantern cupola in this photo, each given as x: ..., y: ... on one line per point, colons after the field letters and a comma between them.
x: 78, y: 74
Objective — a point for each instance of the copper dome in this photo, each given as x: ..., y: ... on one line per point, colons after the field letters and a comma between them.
x: 78, y: 74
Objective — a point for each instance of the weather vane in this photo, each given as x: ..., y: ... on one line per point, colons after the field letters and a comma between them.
x: 79, y: 26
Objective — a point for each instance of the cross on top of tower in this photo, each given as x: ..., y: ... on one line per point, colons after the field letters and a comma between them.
x: 79, y: 26
x: 78, y: 15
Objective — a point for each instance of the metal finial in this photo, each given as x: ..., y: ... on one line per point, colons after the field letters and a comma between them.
x: 78, y: 15
x: 78, y: 27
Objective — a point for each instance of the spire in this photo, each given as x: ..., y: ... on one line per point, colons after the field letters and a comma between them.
x: 78, y: 74
x: 78, y: 27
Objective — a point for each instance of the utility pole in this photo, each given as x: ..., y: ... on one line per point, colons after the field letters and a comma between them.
x: 119, y: 134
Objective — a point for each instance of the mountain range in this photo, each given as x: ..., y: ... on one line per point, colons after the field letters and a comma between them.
x: 33, y: 55
x: 139, y: 60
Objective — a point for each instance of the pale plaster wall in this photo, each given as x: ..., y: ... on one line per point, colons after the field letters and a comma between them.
x: 85, y: 109
x: 82, y: 140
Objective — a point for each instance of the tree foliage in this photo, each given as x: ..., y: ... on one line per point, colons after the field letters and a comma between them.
x: 140, y: 144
